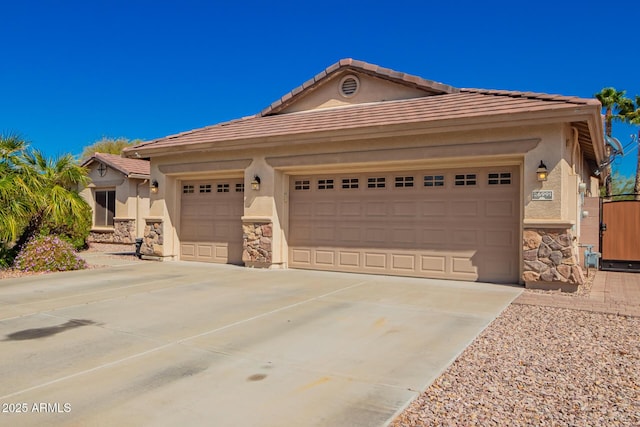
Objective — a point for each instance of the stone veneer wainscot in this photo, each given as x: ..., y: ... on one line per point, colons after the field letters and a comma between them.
x: 123, y: 231
x: 550, y: 260
x: 153, y: 238
x: 257, y: 241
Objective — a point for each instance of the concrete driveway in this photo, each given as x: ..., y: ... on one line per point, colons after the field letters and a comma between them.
x: 178, y: 343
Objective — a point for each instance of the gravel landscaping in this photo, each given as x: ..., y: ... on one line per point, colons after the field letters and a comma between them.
x: 539, y: 366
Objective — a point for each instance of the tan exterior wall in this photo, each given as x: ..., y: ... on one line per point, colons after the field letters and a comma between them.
x: 371, y: 90
x: 132, y: 196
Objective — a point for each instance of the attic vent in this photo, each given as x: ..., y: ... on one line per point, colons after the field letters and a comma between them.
x: 349, y: 86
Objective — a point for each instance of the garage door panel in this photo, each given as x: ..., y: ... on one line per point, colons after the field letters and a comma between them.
x: 349, y: 259
x: 375, y: 235
x: 465, y: 237
x: 325, y: 208
x: 433, y: 264
x: 350, y: 209
x: 325, y: 258
x: 443, y: 230
x: 500, y: 208
x: 500, y: 238
x: 431, y: 236
x: 434, y: 208
x: 405, y: 209
x: 464, y: 208
x: 210, y: 221
x: 375, y: 260
x: 462, y: 264
x: 403, y: 262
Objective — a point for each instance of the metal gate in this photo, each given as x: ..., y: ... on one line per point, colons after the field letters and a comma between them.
x: 620, y: 233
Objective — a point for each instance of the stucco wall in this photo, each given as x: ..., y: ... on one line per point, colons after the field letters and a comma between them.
x: 371, y: 90
x: 132, y: 196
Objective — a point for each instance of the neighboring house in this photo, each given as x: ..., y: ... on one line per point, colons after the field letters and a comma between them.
x: 119, y: 197
x: 365, y: 169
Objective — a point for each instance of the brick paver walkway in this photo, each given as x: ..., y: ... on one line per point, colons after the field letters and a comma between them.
x: 612, y: 292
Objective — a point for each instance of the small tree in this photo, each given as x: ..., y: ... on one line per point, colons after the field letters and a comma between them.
x: 107, y: 146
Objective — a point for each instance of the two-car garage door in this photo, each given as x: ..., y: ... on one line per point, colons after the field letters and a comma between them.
x: 457, y: 224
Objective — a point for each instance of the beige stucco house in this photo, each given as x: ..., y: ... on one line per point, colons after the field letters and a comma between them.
x: 119, y: 197
x: 365, y: 169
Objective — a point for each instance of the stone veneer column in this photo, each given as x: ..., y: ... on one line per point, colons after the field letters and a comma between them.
x: 153, y: 238
x: 124, y: 230
x: 257, y: 236
x: 550, y: 260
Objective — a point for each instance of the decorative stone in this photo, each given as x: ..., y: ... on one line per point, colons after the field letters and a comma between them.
x: 548, y: 276
x: 565, y: 271
x: 531, y: 239
x: 535, y: 266
x: 257, y: 244
x: 153, y: 240
x: 530, y: 276
x: 550, y: 259
x: 544, y: 251
x: 530, y: 255
x: 556, y: 257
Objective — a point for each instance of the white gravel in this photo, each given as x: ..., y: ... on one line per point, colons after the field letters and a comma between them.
x: 540, y: 366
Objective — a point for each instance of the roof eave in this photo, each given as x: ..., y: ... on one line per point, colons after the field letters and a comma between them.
x: 579, y: 113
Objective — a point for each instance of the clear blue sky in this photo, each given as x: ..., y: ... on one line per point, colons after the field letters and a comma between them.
x: 72, y: 72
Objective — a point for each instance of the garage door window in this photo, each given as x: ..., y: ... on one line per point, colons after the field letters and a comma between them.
x: 303, y: 184
x: 240, y: 188
x: 466, y: 179
x: 223, y: 188
x: 349, y: 183
x: 325, y: 184
x: 501, y: 178
x: 378, y: 182
x: 434, y: 180
x: 206, y: 188
x: 187, y: 189
x: 404, y: 181
x: 105, y: 208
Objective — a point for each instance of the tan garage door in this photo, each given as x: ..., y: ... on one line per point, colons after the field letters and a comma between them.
x: 210, y: 220
x: 456, y: 224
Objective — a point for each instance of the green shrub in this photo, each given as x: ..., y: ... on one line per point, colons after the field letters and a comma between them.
x: 74, y: 230
x: 48, y: 253
x: 7, y: 255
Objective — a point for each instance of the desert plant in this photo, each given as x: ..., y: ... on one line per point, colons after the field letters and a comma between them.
x: 48, y: 253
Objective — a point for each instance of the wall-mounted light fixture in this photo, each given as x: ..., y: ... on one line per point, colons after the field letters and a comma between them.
x: 154, y: 186
x: 542, y: 172
x: 255, y: 184
x: 582, y: 188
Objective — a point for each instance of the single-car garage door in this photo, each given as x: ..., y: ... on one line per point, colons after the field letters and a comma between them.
x: 456, y: 224
x: 210, y: 220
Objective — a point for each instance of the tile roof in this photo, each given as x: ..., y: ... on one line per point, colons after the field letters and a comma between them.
x: 467, y: 104
x: 447, y: 106
x: 122, y: 164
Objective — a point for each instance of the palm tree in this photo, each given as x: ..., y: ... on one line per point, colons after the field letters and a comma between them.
x: 613, y: 101
x: 54, y: 191
x: 632, y: 116
x: 13, y: 190
x: 35, y: 190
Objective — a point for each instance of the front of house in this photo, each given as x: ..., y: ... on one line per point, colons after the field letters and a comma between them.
x: 365, y: 169
x: 118, y: 194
